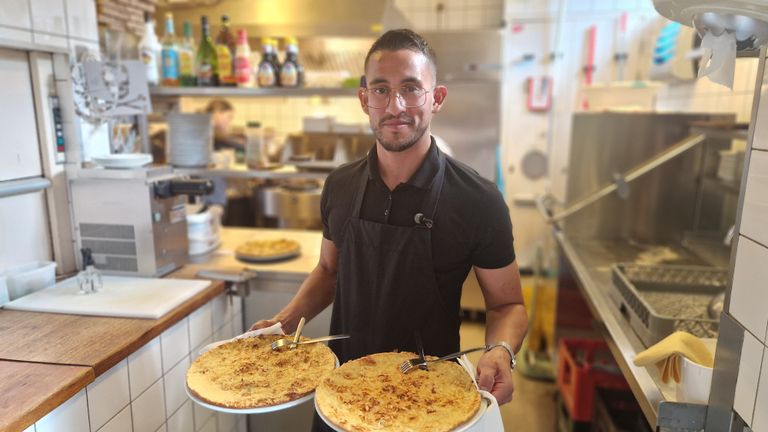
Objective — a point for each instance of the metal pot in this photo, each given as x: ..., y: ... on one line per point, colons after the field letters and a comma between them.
x: 293, y: 204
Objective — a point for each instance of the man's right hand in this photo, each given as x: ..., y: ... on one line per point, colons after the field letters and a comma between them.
x: 262, y: 324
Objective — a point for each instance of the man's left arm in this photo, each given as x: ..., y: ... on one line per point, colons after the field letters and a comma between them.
x: 507, y: 321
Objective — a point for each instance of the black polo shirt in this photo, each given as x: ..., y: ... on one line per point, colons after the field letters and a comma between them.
x: 471, y: 227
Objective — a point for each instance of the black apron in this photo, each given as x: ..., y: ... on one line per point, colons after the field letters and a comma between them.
x: 386, y: 289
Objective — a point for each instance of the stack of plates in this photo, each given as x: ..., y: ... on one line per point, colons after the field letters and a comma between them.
x: 123, y: 160
x: 190, y: 138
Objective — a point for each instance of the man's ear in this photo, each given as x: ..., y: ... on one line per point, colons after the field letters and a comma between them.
x: 439, y: 95
x: 361, y: 97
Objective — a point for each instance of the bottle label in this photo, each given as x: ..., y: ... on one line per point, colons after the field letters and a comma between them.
x: 289, y: 75
x: 170, y: 63
x: 243, y: 70
x: 205, y: 74
x: 186, y: 63
x: 225, y: 63
x: 266, y: 75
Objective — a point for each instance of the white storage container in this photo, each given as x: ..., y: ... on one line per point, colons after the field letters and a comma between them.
x: 203, y: 232
x: 27, y: 278
x: 3, y: 291
x: 695, y: 379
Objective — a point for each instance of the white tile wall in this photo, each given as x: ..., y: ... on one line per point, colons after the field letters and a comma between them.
x: 16, y: 35
x: 203, y: 417
x: 48, y: 16
x: 226, y: 421
x: 148, y: 410
x: 760, y: 140
x: 26, y: 217
x: 162, y: 428
x: 760, y: 419
x: 749, y: 278
x: 755, y: 211
x: 120, y: 423
x: 81, y: 19
x: 182, y: 420
x: 209, y: 426
x: 145, y: 367
x: 15, y: 13
x: 174, y: 343
x: 174, y: 382
x: 31, y: 428
x: 71, y: 416
x: 749, y: 373
x: 108, y: 394
x: 200, y: 325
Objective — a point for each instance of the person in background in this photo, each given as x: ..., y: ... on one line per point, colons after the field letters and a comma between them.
x: 402, y: 228
x: 222, y: 112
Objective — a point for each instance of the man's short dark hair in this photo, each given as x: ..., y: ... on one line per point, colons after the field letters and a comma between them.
x: 399, y: 39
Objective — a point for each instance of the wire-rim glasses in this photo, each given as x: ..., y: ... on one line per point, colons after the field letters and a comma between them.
x: 410, y: 95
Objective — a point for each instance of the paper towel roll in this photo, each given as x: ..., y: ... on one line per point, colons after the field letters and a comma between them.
x: 719, y: 59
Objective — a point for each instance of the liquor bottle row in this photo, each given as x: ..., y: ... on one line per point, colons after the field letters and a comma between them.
x: 225, y: 61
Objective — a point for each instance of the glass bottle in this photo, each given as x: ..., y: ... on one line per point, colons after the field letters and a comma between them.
x: 243, y: 74
x: 291, y: 71
x: 187, y: 58
x: 267, y: 73
x: 149, y: 50
x: 225, y: 51
x: 207, y: 63
x: 170, y: 54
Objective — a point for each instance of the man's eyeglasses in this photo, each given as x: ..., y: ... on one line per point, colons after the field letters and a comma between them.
x: 412, y: 96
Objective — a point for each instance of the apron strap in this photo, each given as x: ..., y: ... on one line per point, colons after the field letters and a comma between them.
x: 428, y: 219
x: 358, y: 203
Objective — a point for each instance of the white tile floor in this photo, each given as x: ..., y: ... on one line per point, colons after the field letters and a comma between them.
x: 533, y: 406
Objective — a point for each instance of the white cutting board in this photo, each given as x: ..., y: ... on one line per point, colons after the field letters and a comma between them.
x: 127, y: 297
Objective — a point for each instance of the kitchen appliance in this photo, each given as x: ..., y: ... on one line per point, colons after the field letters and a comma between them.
x: 470, y: 64
x: 293, y: 204
x: 134, y: 221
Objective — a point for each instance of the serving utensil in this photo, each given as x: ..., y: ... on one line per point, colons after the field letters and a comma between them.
x: 407, y: 365
x: 287, y: 342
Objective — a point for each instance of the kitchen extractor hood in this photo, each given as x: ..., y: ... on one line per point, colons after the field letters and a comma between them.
x: 299, y: 18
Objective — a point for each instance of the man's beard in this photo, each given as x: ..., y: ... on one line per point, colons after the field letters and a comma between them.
x: 404, y: 143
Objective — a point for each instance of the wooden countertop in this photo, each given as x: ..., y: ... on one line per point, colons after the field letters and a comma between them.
x: 29, y: 391
x: 71, y: 351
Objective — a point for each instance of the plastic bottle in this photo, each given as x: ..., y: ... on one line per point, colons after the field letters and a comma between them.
x: 187, y: 58
x: 255, y: 154
x: 267, y: 73
x: 170, y: 54
x: 291, y: 72
x: 225, y: 51
x: 243, y: 74
x: 149, y: 50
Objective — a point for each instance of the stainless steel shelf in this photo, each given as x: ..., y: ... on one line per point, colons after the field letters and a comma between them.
x: 251, y: 92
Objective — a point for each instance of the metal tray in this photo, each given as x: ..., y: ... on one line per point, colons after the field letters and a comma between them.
x: 658, y: 300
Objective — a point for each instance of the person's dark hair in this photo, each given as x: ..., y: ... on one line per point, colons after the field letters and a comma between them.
x: 219, y: 105
x: 399, y: 39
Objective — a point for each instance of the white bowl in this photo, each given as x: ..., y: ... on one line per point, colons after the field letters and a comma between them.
x: 695, y: 379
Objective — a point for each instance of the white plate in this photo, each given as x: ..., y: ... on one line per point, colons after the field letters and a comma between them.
x: 254, y: 259
x: 123, y: 160
x: 485, y: 403
x: 259, y: 410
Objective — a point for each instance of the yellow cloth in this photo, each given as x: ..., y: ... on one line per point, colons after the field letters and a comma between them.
x: 665, y: 354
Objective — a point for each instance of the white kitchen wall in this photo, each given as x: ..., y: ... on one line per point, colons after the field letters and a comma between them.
x: 28, y: 221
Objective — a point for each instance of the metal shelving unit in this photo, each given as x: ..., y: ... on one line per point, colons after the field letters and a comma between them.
x: 251, y: 92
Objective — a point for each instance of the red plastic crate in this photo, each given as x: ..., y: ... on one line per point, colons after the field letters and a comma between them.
x: 582, y: 366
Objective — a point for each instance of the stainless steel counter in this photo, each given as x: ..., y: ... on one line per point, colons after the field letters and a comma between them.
x: 297, y: 268
x: 591, y: 262
x: 242, y: 171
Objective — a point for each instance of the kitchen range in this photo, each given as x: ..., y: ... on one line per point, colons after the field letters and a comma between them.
x: 163, y: 166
